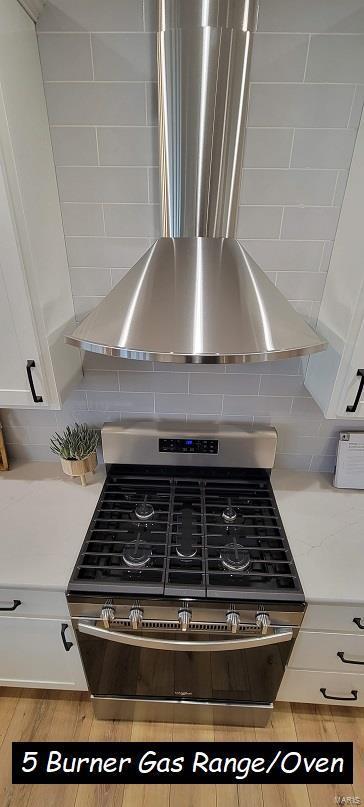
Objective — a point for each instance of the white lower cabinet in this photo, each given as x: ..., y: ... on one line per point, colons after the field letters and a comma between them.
x: 334, y: 652
x: 327, y: 661
x: 39, y: 653
x: 304, y: 686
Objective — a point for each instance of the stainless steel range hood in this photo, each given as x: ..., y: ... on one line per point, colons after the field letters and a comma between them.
x: 196, y: 295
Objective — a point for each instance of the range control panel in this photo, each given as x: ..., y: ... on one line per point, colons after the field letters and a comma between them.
x: 188, y: 446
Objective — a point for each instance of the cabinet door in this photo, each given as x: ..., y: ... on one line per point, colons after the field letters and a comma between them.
x: 39, y: 653
x: 17, y: 334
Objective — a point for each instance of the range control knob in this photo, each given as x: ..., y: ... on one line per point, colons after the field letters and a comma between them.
x: 136, y: 617
x: 184, y: 618
x: 262, y: 621
x: 233, y: 621
x: 107, y: 614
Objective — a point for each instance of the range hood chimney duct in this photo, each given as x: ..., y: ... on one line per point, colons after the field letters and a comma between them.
x: 196, y: 295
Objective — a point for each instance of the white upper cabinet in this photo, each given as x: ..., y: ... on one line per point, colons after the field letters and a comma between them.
x: 335, y: 377
x: 36, y: 309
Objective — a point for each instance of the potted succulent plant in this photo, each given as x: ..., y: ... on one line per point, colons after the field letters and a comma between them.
x: 77, y: 449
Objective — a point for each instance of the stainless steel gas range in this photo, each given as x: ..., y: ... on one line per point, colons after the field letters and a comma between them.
x: 185, y: 599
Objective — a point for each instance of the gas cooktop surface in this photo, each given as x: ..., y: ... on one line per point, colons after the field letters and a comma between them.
x: 207, y: 533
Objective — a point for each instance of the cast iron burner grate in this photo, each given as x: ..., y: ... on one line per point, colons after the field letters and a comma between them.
x: 201, y: 532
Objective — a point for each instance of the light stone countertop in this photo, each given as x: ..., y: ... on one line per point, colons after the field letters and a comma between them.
x: 44, y: 517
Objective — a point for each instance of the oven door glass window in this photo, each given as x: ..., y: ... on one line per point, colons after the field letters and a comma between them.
x: 121, y: 670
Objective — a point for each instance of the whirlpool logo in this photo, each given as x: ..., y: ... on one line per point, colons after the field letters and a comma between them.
x: 183, y: 693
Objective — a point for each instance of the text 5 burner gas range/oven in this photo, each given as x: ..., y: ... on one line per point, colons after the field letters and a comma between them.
x: 185, y: 599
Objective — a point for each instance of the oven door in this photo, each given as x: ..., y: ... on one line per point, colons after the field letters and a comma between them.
x: 208, y: 668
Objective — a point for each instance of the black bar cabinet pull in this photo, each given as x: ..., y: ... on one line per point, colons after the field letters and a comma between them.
x: 354, y: 695
x: 353, y: 406
x: 30, y: 365
x: 357, y: 620
x: 347, y: 660
x: 67, y: 645
x: 12, y: 607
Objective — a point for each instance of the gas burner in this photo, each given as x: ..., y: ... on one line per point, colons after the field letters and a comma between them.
x: 229, y: 514
x: 137, y: 554
x: 186, y: 553
x: 144, y: 510
x: 235, y: 558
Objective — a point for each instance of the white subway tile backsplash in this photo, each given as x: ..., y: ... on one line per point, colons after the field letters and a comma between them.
x: 283, y: 367
x: 336, y: 58
x: 124, y: 57
x: 341, y: 183
x: 31, y: 453
x: 99, y: 380
x: 65, y: 57
x: 92, y: 15
x: 323, y: 148
x: 86, y: 184
x: 293, y: 462
x: 252, y: 405
x: 310, y: 222
x: 153, y: 382
x: 100, y: 252
x: 227, y: 384
x: 306, y: 408
x: 128, y: 145
x: 99, y: 103
x: 95, y: 282
x: 344, y: 16
x: 257, y: 221
x: 285, y: 255
x: 23, y: 418
x: 133, y: 220
x: 287, y: 187
x: 278, y: 57
x: 117, y: 275
x: 74, y: 145
x: 323, y: 464
x: 357, y: 107
x: 95, y: 361
x: 82, y: 219
x: 300, y: 105
x: 120, y: 401
x: 174, y: 404
x: 301, y: 285
x: 83, y: 305
x: 290, y: 385
x: 267, y: 148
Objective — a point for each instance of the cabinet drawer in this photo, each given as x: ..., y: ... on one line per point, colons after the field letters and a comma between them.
x: 340, y: 689
x: 20, y: 602
x: 346, y: 618
x: 39, y: 653
x: 319, y: 651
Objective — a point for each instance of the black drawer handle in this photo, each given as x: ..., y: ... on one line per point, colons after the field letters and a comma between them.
x: 12, y: 607
x: 357, y: 620
x: 347, y: 660
x: 353, y: 407
x: 67, y: 645
x: 354, y: 695
x: 30, y: 365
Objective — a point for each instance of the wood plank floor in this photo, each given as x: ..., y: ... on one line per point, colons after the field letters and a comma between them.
x: 47, y: 715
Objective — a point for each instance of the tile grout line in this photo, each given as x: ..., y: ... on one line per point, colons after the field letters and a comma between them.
x: 92, y: 58
x: 352, y: 105
x: 307, y: 55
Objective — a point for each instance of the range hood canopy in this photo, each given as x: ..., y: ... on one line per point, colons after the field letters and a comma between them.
x: 196, y: 295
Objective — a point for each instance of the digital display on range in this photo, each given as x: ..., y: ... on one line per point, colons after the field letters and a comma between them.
x: 188, y: 446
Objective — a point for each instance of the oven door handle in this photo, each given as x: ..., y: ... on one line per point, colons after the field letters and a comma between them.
x: 278, y: 635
